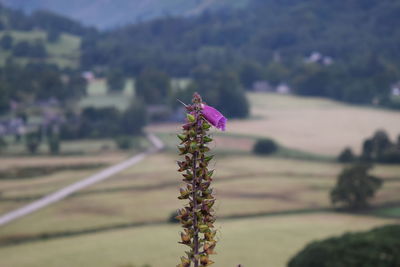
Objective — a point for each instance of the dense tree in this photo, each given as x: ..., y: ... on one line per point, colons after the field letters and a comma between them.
x: 6, y: 41
x: 355, y: 187
x: 353, y: 249
x: 21, y: 49
x: 53, y: 141
x: 32, y: 141
x: 276, y: 73
x: 3, y: 143
x: 346, y: 156
x: 26, y: 49
x: 243, y: 40
x: 251, y: 72
x: 265, y: 146
x: 39, y: 82
x: 115, y: 81
x: 221, y: 89
x: 42, y: 19
x: 134, y: 118
x: 53, y: 36
x: 105, y: 122
x: 153, y: 86
x: 99, y: 122
x: 379, y: 148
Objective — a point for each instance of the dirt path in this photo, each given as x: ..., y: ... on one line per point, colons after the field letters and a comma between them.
x: 66, y: 191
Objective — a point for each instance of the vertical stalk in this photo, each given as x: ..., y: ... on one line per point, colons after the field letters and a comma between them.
x: 195, y: 219
x: 197, y: 216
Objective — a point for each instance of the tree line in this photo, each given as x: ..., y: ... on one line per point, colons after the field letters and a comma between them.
x: 45, y: 20
x: 268, y: 40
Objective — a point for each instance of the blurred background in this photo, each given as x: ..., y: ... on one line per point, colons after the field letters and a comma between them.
x: 312, y: 148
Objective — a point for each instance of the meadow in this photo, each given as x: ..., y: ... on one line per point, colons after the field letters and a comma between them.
x: 268, y: 207
x: 314, y: 125
x: 65, y: 52
x: 97, y: 95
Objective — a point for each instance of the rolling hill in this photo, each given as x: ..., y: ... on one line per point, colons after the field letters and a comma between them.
x: 108, y: 13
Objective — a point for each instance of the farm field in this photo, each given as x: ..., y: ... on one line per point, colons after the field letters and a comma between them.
x: 264, y: 241
x: 97, y: 95
x: 62, y: 171
x: 65, y: 52
x: 257, y: 197
x: 268, y: 207
x: 314, y: 125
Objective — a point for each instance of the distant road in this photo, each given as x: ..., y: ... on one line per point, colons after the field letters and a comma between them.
x: 66, y: 191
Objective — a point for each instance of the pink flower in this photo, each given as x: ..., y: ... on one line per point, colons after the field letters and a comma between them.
x: 214, y: 117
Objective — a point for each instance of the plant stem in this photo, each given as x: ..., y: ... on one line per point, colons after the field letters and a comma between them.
x: 194, y: 198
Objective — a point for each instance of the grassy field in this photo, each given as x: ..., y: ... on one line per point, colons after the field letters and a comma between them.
x: 98, y: 96
x: 264, y: 241
x: 315, y: 125
x: 65, y: 52
x: 142, y: 194
x: 268, y: 207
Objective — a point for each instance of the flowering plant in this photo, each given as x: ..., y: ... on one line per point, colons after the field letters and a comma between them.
x: 197, y: 216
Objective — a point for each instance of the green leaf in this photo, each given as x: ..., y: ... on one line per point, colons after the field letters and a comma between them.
x: 190, y: 117
x: 203, y: 228
x: 206, y: 126
x: 182, y: 137
x: 207, y: 139
x: 207, y: 159
x: 193, y: 145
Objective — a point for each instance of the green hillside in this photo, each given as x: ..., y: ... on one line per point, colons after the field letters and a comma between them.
x: 105, y: 13
x: 40, y: 37
x: 65, y: 52
x: 345, y: 51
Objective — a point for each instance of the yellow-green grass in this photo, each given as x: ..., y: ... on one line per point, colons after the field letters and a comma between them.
x: 18, y: 192
x: 65, y: 52
x: 263, y: 241
x: 98, y: 95
x: 99, y: 87
x: 315, y: 125
x: 72, y: 148
x: 245, y: 186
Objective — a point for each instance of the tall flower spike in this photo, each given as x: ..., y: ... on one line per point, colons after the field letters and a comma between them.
x: 197, y: 216
x: 214, y: 117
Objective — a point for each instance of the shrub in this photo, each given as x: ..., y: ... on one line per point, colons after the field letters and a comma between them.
x: 134, y: 118
x: 153, y: 86
x: 3, y: 143
x: 346, y: 156
x: 355, y: 187
x: 391, y: 156
x: 115, y: 81
x: 376, y: 248
x: 172, y: 217
x: 6, y: 42
x: 265, y: 147
x: 124, y: 142
x: 53, y: 142
x: 32, y: 142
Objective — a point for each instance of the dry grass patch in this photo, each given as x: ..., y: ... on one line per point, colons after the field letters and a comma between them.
x: 309, y: 124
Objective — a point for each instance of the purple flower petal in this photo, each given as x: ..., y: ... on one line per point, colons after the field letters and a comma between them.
x: 214, y: 117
